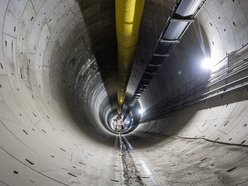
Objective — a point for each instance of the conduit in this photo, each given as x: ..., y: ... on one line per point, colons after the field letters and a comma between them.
x: 182, y: 16
x: 128, y: 17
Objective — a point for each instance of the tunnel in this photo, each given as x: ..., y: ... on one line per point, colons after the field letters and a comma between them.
x: 58, y: 92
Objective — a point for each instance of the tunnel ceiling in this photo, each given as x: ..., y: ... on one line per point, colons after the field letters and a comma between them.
x: 58, y: 83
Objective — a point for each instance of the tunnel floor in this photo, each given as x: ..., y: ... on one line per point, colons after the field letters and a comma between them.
x: 174, y: 161
x: 179, y: 161
x: 197, y: 162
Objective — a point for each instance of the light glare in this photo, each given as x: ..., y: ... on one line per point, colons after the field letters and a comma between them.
x: 140, y: 111
x: 207, y: 63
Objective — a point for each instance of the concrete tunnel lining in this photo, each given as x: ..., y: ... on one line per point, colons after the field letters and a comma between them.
x: 52, y: 117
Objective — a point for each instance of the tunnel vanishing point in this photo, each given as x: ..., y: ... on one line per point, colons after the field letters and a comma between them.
x: 123, y: 92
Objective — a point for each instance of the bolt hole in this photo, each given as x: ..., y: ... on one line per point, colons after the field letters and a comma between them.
x: 230, y: 170
x: 15, y: 172
x: 226, y: 123
x: 204, y: 159
x: 30, y: 162
x: 114, y: 180
x: 72, y: 174
x: 43, y: 130
x: 25, y: 132
x: 62, y: 149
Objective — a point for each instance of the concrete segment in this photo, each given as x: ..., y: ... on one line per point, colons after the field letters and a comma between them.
x: 58, y: 77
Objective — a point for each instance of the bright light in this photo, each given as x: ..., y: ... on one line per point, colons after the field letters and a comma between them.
x: 140, y: 111
x: 207, y: 63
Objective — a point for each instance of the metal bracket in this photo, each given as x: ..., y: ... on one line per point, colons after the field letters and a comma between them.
x: 169, y: 40
x: 161, y: 55
x: 182, y: 20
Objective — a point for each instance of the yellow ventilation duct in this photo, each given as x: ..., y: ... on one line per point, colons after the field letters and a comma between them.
x: 128, y: 16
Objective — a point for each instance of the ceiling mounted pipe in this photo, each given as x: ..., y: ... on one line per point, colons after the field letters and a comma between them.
x: 128, y: 18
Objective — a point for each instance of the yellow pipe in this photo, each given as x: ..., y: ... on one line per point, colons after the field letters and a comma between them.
x: 128, y: 17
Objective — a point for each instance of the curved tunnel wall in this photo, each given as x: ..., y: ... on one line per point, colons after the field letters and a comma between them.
x: 40, y: 143
x: 225, y: 34
x: 48, y: 138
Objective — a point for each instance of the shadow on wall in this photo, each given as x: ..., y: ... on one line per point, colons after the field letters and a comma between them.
x: 182, y: 70
x: 81, y: 82
x: 154, y: 17
x: 160, y: 130
x: 99, y: 19
x: 93, y: 50
x: 179, y: 74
